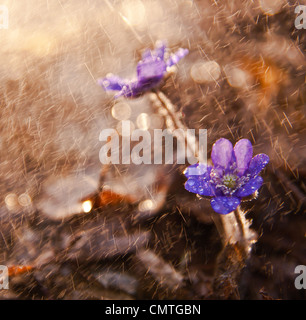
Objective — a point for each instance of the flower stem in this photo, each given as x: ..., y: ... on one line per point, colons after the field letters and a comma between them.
x: 241, y: 221
x: 236, y: 229
x: 230, y: 230
x: 173, y: 122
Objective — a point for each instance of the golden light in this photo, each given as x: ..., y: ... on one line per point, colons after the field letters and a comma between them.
x: 121, y: 111
x: 271, y: 7
x: 24, y: 200
x: 143, y: 121
x: 11, y: 201
x: 205, y: 72
x: 39, y: 43
x: 87, y: 206
x: 146, y: 205
x: 237, y: 77
x: 133, y: 12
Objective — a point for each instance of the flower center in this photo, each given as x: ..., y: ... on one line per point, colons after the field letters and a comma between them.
x: 230, y: 181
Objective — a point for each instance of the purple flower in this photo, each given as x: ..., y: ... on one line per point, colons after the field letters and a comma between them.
x: 234, y: 175
x: 150, y: 71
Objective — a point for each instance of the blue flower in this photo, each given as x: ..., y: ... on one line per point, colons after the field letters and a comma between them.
x: 150, y: 71
x: 234, y: 175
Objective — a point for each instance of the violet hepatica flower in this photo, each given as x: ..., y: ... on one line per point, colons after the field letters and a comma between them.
x: 150, y: 72
x: 233, y: 176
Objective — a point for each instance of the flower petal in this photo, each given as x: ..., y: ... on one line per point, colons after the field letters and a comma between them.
x: 198, y: 169
x: 150, y: 70
x: 146, y: 54
x: 112, y: 82
x: 159, y: 50
x: 257, y: 164
x: 199, y: 186
x: 243, y: 153
x: 198, y: 179
x: 250, y: 187
x: 177, y: 56
x: 224, y: 205
x: 222, y: 153
x: 130, y: 89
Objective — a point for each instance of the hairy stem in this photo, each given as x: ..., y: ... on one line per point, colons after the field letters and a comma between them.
x: 173, y: 122
x: 236, y: 229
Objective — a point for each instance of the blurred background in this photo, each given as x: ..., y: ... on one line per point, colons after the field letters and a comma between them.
x: 87, y: 231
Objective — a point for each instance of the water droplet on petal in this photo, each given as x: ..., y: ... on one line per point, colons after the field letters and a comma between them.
x: 191, y: 182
